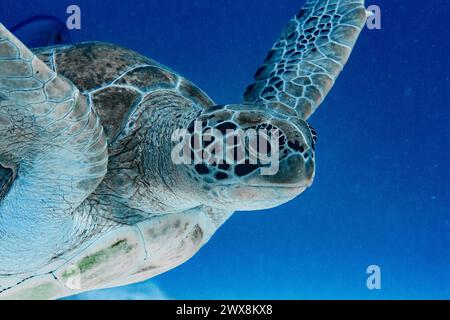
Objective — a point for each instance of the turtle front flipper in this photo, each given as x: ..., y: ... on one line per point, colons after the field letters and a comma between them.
x: 304, y: 63
x: 54, y: 143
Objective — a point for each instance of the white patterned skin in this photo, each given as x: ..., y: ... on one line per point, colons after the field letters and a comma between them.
x: 89, y: 195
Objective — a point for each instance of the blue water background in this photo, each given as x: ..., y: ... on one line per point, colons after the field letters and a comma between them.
x: 382, y: 189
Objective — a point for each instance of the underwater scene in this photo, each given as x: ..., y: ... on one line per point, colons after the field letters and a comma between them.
x: 358, y: 206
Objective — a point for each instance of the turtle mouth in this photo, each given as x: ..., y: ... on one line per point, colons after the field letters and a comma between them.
x: 281, y: 187
x: 254, y: 197
x: 271, y: 185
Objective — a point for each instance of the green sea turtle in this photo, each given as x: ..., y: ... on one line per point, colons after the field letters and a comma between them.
x: 90, y: 194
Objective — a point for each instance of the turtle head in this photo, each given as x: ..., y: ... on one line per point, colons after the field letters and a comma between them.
x: 248, y: 159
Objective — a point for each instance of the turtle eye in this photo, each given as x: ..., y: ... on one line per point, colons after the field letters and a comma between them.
x: 314, y: 135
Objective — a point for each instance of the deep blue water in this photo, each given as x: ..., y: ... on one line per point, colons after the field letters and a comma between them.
x: 382, y: 189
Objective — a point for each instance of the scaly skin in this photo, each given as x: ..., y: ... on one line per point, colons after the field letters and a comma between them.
x: 71, y: 205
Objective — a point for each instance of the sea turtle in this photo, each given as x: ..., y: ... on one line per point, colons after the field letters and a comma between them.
x: 90, y: 194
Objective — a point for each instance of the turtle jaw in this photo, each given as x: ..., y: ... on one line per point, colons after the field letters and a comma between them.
x: 258, y: 191
x: 251, y: 198
x: 295, y: 171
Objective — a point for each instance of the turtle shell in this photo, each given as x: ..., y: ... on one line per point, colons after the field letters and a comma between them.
x: 116, y: 80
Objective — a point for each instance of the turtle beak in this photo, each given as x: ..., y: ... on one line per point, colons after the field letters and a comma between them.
x: 296, y: 171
